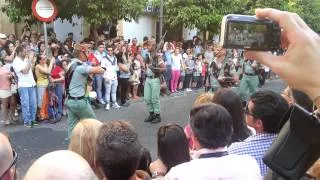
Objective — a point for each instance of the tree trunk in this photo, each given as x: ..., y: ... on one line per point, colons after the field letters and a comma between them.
x: 94, y: 33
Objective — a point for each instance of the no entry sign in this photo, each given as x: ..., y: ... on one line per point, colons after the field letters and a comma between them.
x: 44, y: 10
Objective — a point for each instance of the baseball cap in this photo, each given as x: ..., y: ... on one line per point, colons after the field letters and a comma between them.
x: 3, y: 36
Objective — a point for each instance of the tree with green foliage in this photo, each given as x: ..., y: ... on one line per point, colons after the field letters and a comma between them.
x: 309, y: 10
x: 202, y: 14
x: 206, y: 15
x: 95, y: 12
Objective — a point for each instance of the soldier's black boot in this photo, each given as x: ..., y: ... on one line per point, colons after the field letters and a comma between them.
x: 150, y: 118
x: 157, y: 119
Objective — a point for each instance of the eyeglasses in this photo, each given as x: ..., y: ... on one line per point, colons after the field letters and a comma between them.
x: 14, y: 162
x: 246, y: 111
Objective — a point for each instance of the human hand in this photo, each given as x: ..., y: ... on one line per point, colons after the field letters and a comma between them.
x: 299, y: 67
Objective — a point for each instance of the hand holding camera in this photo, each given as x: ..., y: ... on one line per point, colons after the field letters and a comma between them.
x: 302, y: 56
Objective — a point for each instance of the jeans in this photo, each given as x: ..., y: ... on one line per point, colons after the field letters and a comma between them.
x: 111, y: 89
x: 98, y: 82
x: 40, y: 93
x: 167, y: 75
x: 58, y: 90
x: 187, y: 80
x: 28, y: 103
x: 124, y: 86
x: 175, y: 80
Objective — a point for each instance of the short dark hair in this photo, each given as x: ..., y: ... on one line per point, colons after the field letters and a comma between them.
x: 118, y: 150
x: 173, y: 147
x: 232, y: 102
x: 20, y: 49
x: 100, y: 43
x: 212, y: 125
x: 270, y: 108
x: 303, y: 100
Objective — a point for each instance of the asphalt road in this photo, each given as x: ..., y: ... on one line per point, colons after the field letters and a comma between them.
x: 32, y: 143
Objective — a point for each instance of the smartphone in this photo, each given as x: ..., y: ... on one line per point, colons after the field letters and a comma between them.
x: 248, y: 32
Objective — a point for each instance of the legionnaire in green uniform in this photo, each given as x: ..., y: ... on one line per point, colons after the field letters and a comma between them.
x: 154, y: 67
x: 250, y: 81
x: 78, y: 104
x: 221, y: 70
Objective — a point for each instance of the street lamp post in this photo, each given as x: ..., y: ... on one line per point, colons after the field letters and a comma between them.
x: 161, y: 20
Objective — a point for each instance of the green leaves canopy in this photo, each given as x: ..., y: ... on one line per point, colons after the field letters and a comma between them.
x: 207, y: 14
x: 95, y: 12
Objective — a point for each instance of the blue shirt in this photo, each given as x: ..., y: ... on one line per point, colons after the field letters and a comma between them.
x: 168, y: 58
x: 255, y: 146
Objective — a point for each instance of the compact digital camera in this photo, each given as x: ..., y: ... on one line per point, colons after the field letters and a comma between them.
x: 248, y: 32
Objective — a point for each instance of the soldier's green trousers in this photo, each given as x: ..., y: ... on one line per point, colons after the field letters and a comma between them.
x: 152, y: 94
x: 248, y: 86
x: 78, y: 110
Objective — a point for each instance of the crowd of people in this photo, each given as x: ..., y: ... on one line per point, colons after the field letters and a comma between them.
x: 221, y: 140
x: 34, y: 77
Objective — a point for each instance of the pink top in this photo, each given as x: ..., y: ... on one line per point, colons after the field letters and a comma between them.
x: 4, y: 79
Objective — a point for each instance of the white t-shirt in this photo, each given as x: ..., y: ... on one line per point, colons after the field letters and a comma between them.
x: 230, y: 167
x: 111, y: 68
x: 176, y: 62
x: 24, y: 80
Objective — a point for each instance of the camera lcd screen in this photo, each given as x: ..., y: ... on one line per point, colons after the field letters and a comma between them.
x: 247, y: 35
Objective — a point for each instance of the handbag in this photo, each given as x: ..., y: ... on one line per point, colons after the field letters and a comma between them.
x: 297, y: 146
x: 163, y: 83
x: 134, y: 78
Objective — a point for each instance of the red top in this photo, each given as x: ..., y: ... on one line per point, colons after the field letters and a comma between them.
x: 94, y: 61
x: 56, y: 71
x: 204, y: 69
x: 133, y: 49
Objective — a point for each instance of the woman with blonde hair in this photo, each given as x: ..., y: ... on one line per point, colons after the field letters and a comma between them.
x: 83, y: 141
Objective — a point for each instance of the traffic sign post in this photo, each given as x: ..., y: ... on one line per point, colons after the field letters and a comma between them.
x: 45, y: 11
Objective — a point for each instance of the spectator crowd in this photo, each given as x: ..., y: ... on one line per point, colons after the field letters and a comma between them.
x: 222, y: 139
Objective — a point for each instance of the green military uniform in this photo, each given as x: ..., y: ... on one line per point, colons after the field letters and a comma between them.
x: 78, y: 103
x: 152, y: 92
x: 249, y: 82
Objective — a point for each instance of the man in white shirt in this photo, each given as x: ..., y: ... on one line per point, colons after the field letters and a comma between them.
x: 211, y: 126
x: 110, y: 64
x: 22, y: 66
x: 99, y: 54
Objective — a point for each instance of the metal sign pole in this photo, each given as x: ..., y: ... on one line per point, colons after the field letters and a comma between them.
x: 45, y: 38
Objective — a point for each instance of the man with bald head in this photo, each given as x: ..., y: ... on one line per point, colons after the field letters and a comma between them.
x: 7, y: 161
x: 60, y: 165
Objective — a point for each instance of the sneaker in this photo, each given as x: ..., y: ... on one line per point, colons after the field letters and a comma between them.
x: 34, y: 123
x: 29, y: 125
x: 115, y: 106
x: 108, y: 107
x: 126, y: 104
x: 102, y: 102
x: 16, y: 113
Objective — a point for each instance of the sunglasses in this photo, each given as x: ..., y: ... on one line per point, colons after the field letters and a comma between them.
x: 14, y: 162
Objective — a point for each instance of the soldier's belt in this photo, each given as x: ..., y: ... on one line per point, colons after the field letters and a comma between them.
x: 250, y: 74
